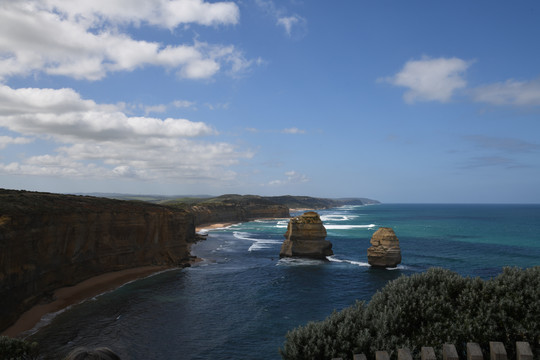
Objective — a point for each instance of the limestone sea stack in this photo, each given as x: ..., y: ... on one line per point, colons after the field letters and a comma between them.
x: 305, y: 237
x: 384, y: 250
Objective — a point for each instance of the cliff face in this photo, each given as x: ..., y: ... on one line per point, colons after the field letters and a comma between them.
x: 49, y: 241
x: 305, y: 237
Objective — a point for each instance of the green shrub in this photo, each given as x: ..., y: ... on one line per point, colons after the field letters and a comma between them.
x: 16, y: 349
x: 428, y: 309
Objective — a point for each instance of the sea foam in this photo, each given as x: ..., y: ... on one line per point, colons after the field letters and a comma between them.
x: 348, y: 227
x: 299, y: 262
x: 338, y: 217
x: 352, y: 262
x: 258, y: 244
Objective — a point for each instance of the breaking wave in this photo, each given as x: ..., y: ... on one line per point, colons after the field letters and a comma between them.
x: 258, y: 244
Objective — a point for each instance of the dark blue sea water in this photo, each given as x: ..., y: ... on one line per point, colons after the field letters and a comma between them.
x: 242, y: 299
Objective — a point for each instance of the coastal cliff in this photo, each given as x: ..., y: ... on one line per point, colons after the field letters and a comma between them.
x: 236, y: 208
x: 48, y: 241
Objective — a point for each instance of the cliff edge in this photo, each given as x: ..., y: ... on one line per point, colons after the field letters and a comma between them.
x: 234, y: 208
x: 48, y: 241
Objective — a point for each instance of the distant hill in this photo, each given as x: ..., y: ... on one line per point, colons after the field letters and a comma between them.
x: 313, y: 203
x: 239, y: 208
x: 291, y: 201
x: 157, y: 199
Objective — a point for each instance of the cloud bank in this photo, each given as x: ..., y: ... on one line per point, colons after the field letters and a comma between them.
x: 69, y: 136
x: 84, y: 39
x: 100, y: 141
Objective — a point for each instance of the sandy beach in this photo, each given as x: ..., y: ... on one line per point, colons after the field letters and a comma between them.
x: 213, y: 226
x: 71, y: 295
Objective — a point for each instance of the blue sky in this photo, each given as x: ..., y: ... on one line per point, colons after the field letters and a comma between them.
x: 400, y: 101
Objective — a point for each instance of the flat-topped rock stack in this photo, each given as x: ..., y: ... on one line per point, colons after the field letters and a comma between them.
x: 306, y: 237
x: 384, y: 251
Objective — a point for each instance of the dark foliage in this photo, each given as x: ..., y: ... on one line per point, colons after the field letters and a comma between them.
x: 16, y: 349
x: 428, y: 309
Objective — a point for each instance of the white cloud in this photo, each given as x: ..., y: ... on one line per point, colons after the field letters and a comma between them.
x: 163, y: 13
x: 295, y: 26
x: 510, y: 92
x: 161, y: 108
x: 287, y: 23
x: 183, y: 103
x: 81, y: 39
x: 293, y: 130
x: 100, y: 141
x: 63, y: 113
x: 292, y: 177
x: 8, y: 140
x: 431, y: 79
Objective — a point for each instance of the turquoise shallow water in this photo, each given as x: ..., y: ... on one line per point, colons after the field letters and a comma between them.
x: 240, y: 302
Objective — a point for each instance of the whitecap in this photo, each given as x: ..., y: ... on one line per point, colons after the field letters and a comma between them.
x: 352, y: 262
x: 348, y: 227
x: 282, y: 224
x: 291, y: 261
x: 205, y: 231
x: 350, y: 207
x: 337, y: 217
x: 241, y: 235
x: 46, y: 320
x: 258, y: 244
x: 399, y: 267
x: 262, y: 244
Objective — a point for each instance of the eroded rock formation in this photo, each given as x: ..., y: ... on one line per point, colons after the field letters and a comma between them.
x: 384, y: 250
x: 305, y: 237
x: 48, y: 241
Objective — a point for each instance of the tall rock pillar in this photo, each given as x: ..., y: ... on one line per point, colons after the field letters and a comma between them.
x: 384, y: 250
x: 305, y: 237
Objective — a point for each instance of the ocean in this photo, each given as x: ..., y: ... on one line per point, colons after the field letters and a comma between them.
x: 242, y: 299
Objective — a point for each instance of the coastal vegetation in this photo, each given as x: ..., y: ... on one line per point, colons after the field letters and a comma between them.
x: 428, y: 309
x: 17, y: 349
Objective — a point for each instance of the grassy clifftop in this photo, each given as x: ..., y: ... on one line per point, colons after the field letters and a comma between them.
x: 290, y: 201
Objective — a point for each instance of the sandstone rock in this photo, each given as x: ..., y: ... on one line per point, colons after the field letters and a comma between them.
x: 305, y: 237
x: 384, y: 250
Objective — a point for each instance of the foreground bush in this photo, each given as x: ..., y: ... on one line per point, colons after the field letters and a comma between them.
x: 428, y: 309
x: 15, y: 349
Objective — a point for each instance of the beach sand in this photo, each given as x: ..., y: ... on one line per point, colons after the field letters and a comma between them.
x: 71, y: 295
x: 213, y: 226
